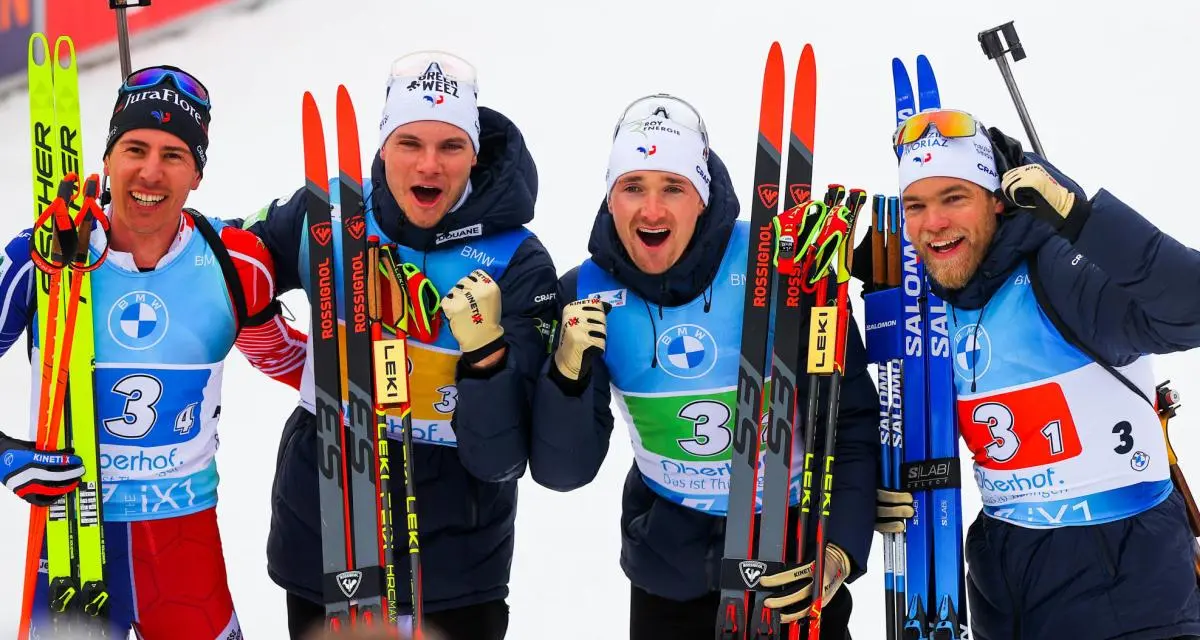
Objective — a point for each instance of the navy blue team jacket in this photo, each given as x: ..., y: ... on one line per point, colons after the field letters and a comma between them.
x: 467, y: 496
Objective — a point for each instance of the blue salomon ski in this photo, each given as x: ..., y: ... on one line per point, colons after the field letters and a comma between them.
x: 949, y: 620
x: 918, y: 536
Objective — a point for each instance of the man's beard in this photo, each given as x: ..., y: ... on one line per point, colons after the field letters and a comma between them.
x: 955, y: 274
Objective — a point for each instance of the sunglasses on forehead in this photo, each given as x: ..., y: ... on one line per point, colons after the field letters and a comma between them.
x: 668, y: 107
x: 154, y: 76
x: 417, y: 64
x: 949, y: 124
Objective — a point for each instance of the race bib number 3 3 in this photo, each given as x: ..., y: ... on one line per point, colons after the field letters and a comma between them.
x: 1019, y: 429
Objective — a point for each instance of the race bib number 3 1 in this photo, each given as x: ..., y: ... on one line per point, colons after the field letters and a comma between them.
x: 1019, y: 429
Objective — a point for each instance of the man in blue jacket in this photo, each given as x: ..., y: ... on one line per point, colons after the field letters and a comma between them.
x: 1055, y: 302
x: 667, y: 258
x: 452, y: 184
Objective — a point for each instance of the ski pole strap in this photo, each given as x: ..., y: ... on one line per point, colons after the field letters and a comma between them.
x: 926, y: 475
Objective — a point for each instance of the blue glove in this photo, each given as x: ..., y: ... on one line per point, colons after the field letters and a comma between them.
x: 39, y: 477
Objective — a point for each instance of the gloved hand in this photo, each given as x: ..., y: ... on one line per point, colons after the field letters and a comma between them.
x: 583, y: 337
x: 39, y: 477
x: 837, y: 567
x: 473, y: 309
x: 892, y: 508
x: 1030, y: 187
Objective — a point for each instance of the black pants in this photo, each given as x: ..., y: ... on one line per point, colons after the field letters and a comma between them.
x: 484, y: 621
x: 655, y: 618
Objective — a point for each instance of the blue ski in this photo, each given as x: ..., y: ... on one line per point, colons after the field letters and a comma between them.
x: 927, y: 89
x: 918, y: 542
x: 949, y: 623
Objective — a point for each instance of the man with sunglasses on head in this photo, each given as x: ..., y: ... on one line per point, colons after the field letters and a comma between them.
x: 656, y: 320
x: 1055, y: 302
x: 452, y: 185
x: 174, y: 293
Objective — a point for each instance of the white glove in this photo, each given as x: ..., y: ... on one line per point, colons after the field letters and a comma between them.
x: 473, y: 309
x: 837, y: 567
x: 584, y: 336
x: 1030, y: 187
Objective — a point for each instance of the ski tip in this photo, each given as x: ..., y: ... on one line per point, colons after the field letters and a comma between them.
x: 807, y: 52
x: 69, y: 58
x: 39, y: 46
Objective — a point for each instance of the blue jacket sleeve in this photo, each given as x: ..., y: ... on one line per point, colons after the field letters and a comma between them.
x: 1149, y: 275
x: 1118, y: 286
x: 492, y: 416
x: 18, y: 304
x: 280, y: 225
x: 856, y: 465
x: 570, y: 432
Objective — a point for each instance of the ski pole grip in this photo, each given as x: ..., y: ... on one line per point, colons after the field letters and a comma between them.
x: 126, y: 4
x: 993, y: 47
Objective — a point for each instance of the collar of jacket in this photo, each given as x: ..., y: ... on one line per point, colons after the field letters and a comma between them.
x: 698, y: 265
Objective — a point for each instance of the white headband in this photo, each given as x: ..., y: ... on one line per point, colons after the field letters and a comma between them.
x: 432, y: 95
x: 969, y: 159
x: 656, y: 143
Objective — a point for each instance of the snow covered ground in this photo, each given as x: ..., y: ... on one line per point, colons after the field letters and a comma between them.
x: 1111, y: 90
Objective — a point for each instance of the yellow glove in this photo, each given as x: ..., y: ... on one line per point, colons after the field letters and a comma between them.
x: 837, y: 567
x: 473, y: 309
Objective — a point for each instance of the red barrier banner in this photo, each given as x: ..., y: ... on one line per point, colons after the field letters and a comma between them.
x: 90, y: 23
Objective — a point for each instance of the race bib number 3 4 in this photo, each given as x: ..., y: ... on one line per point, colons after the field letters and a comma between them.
x: 1019, y: 429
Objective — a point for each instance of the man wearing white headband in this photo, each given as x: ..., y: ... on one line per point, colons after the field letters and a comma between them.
x: 453, y: 185
x: 1054, y: 303
x: 656, y: 321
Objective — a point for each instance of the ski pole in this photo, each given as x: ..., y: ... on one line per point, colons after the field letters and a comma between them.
x: 123, y: 31
x: 995, y: 50
x: 391, y: 367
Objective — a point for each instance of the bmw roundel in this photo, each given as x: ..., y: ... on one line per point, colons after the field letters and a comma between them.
x: 972, y: 351
x: 138, y: 320
x: 686, y: 351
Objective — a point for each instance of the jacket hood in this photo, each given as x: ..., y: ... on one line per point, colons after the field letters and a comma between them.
x: 698, y: 265
x: 503, y: 192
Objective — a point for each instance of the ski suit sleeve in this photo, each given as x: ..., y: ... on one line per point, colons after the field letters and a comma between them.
x: 280, y: 226
x: 1132, y: 289
x: 491, y: 417
x: 267, y: 341
x: 571, y: 433
x: 16, y: 290
x: 856, y: 461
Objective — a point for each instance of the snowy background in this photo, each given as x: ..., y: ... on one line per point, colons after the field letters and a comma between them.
x: 1112, y: 90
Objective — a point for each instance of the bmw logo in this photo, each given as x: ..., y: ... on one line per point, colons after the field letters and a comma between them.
x: 138, y: 320
x: 1140, y: 461
x: 686, y: 351
x: 972, y: 352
